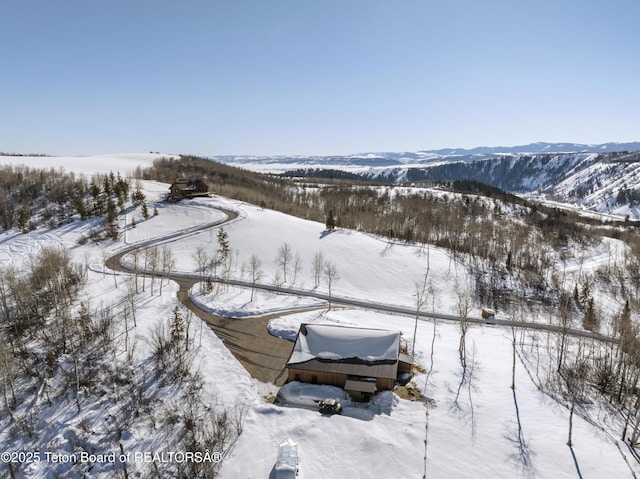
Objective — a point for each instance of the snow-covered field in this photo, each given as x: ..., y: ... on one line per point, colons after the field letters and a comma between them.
x: 471, y: 434
x: 124, y: 163
x: 368, y: 267
x: 464, y: 429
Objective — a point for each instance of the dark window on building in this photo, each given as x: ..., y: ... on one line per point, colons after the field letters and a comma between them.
x: 314, y: 379
x: 297, y: 377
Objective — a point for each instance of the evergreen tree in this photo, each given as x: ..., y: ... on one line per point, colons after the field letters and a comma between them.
x: 94, y: 189
x: 111, y: 212
x: 82, y: 210
x: 137, y: 197
x: 331, y: 222
x: 145, y: 211
x: 106, y: 186
x: 121, y: 201
x: 98, y: 207
x: 23, y: 219
x: 590, y: 320
x: 586, y: 293
x: 624, y: 324
x: 223, y: 245
x: 178, y: 327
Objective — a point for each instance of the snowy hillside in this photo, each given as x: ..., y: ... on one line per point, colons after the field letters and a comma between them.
x: 124, y: 163
x: 376, y: 162
x: 464, y: 420
x: 598, y: 177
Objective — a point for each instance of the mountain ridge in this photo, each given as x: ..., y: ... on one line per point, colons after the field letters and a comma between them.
x: 603, y: 177
x: 531, y: 148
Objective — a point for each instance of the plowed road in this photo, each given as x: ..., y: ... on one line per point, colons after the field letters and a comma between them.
x: 263, y: 355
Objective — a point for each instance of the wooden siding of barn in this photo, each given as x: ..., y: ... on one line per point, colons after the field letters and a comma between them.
x: 333, y: 379
x: 322, y: 377
x: 382, y: 369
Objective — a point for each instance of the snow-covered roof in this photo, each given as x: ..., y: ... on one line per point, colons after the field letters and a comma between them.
x: 329, y: 342
x: 287, y: 458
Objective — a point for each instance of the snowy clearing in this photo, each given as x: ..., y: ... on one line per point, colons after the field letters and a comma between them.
x: 468, y: 422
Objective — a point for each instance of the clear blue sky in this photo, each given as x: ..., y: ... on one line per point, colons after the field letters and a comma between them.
x: 315, y: 77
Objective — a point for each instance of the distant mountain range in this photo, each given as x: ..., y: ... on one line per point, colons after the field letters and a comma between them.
x: 604, y: 177
x: 279, y: 164
x: 540, y: 147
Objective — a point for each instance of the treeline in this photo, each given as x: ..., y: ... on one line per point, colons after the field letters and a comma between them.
x: 580, y: 372
x: 508, y: 243
x: 32, y: 197
x: 628, y: 196
x: 330, y: 174
x: 4, y: 153
x: 498, y: 236
x: 57, y: 353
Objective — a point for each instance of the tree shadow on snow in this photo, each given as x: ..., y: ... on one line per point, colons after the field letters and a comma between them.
x: 575, y: 461
x: 515, y: 435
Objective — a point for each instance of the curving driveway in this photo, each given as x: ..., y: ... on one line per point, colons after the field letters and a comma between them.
x: 264, y: 356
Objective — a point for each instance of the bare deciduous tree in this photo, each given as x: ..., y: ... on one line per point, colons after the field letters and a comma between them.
x: 255, y: 270
x: 136, y: 254
x: 565, y: 325
x: 421, y: 298
x: 283, y: 258
x: 201, y: 258
x: 7, y: 371
x: 331, y: 275
x: 297, y: 267
x: 464, y: 307
x: 574, y: 375
x: 131, y: 286
x: 317, y: 267
x: 168, y: 263
x: 154, y: 263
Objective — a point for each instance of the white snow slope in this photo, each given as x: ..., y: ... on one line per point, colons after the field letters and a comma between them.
x: 466, y: 429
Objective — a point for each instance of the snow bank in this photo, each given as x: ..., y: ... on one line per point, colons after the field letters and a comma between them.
x: 236, y: 302
x: 307, y: 395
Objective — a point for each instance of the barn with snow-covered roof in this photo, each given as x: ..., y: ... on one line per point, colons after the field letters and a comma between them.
x: 360, y: 360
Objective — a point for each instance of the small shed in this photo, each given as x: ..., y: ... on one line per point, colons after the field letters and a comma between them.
x: 287, y: 461
x: 488, y: 313
x: 181, y: 189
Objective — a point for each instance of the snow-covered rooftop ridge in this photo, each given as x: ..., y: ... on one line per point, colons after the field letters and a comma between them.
x: 330, y: 342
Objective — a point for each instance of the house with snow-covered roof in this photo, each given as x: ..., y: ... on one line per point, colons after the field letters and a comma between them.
x: 359, y: 360
x: 181, y: 189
